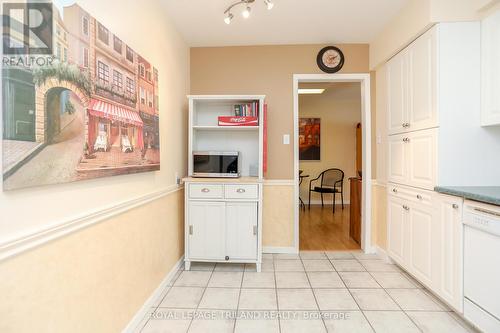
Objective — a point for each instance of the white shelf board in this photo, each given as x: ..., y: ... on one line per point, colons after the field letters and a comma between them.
x: 226, y: 128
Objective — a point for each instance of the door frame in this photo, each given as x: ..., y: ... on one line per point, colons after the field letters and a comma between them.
x: 366, y: 122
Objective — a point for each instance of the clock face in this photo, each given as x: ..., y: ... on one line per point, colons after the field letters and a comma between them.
x: 330, y: 59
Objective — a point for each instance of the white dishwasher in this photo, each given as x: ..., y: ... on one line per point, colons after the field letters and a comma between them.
x: 482, y: 265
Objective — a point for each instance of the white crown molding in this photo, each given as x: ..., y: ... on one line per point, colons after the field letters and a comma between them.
x: 34, y: 239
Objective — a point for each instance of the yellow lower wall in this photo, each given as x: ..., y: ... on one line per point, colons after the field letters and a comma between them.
x: 278, y: 216
x: 379, y: 216
x: 94, y: 280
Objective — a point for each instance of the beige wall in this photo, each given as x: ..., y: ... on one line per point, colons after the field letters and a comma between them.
x: 267, y: 70
x: 339, y: 108
x: 96, y: 279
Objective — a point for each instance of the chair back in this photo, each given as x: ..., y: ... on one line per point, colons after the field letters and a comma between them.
x: 332, y: 178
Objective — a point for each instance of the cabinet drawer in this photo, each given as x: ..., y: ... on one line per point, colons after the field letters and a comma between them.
x: 410, y: 194
x: 206, y: 191
x: 241, y: 191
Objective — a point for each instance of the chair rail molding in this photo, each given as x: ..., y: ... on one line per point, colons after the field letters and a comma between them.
x: 23, y: 243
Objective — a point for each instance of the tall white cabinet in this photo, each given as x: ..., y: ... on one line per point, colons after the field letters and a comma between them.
x: 223, y: 217
x: 425, y: 84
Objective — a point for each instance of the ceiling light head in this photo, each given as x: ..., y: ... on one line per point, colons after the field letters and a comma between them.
x: 246, y: 12
x: 269, y: 4
x: 229, y: 18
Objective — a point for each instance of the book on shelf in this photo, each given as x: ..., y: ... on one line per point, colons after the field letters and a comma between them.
x: 245, y: 114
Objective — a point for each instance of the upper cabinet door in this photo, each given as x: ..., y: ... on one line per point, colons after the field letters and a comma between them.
x: 398, y: 159
x: 422, y: 113
x: 397, y: 81
x: 490, y: 70
x: 422, y: 158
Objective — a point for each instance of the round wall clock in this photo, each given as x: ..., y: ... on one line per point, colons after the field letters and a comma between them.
x: 330, y: 59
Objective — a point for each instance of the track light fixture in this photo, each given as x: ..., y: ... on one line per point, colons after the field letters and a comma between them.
x: 247, y: 11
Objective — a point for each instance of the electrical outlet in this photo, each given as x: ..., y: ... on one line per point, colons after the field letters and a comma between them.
x: 177, y: 178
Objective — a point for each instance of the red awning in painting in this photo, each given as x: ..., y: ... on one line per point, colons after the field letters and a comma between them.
x: 113, y: 112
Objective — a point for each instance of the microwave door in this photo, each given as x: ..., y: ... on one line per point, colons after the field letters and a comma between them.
x: 206, y: 164
x: 229, y: 164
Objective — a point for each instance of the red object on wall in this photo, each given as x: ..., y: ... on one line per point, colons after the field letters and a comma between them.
x: 265, y: 140
x: 238, y: 121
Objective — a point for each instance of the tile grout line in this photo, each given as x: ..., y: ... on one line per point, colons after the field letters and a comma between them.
x: 239, y: 296
x: 201, y: 298
x: 312, y: 291
x: 399, y: 306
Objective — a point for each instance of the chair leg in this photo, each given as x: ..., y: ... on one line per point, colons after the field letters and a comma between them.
x: 342, y: 196
x: 309, y: 199
x: 334, y: 202
x: 322, y: 199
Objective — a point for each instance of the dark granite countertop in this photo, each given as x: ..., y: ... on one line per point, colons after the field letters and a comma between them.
x: 486, y: 194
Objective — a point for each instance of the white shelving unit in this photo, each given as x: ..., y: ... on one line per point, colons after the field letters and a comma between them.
x: 223, y: 219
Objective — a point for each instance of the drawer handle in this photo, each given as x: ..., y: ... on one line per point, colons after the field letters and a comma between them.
x: 455, y: 206
x: 406, y: 125
x: 405, y: 207
x: 395, y: 190
x: 241, y: 190
x: 406, y: 140
x: 419, y: 197
x: 486, y: 211
x: 205, y: 190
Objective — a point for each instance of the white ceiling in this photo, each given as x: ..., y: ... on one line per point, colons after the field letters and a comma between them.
x: 290, y: 22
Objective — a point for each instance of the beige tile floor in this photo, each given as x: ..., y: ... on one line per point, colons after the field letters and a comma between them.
x: 311, y: 292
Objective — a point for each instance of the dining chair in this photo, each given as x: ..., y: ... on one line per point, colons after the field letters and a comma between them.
x: 331, y: 181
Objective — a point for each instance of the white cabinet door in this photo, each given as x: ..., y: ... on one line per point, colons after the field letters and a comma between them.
x: 421, y: 219
x: 398, y: 159
x: 241, y: 230
x: 397, y: 88
x: 422, y: 111
x: 422, y: 158
x: 206, y: 230
x: 490, y: 70
x: 397, y: 233
x: 450, y: 248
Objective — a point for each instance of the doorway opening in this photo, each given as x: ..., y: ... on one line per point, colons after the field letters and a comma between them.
x: 332, y: 153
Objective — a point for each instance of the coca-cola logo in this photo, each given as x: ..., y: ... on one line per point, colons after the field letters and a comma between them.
x: 238, y: 120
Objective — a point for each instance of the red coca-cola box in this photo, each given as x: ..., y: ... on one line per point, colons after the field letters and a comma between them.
x: 238, y: 121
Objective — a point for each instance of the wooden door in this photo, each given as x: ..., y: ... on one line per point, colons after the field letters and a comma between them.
x: 241, y: 230
x: 206, y: 230
x: 355, y: 210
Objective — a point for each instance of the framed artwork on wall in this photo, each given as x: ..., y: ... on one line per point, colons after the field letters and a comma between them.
x: 310, y: 139
x: 86, y: 107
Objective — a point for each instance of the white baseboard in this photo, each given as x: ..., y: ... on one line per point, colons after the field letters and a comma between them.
x: 273, y: 249
x: 382, y: 253
x: 146, y: 307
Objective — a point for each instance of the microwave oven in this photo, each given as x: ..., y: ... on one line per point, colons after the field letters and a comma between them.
x: 216, y: 164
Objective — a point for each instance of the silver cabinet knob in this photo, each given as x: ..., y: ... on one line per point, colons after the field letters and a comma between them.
x: 205, y: 190
x: 241, y: 190
x: 405, y: 207
x: 455, y: 206
x: 406, y: 140
x: 395, y: 190
x: 419, y: 197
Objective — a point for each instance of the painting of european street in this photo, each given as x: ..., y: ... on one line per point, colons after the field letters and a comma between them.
x: 92, y: 112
